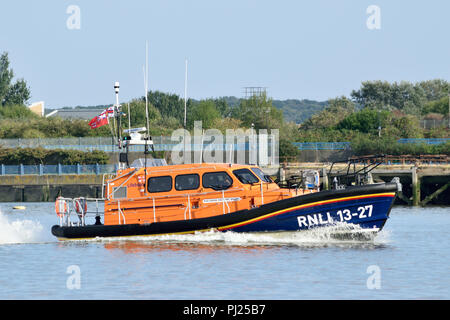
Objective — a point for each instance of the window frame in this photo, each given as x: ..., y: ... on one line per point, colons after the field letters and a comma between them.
x: 251, y: 172
x: 171, y: 184
x: 216, y: 172
x: 263, y: 178
x: 188, y: 174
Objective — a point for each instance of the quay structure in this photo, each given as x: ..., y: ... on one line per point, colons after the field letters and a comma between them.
x: 422, y: 183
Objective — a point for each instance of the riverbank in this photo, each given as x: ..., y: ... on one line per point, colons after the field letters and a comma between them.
x: 37, y: 188
x: 426, y: 184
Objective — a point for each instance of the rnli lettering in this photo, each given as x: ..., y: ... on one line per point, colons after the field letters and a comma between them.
x: 344, y: 215
x: 314, y: 219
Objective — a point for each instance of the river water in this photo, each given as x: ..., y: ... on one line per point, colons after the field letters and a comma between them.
x: 409, y: 259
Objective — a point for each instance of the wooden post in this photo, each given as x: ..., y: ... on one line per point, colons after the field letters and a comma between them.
x: 415, y: 186
x: 435, y: 194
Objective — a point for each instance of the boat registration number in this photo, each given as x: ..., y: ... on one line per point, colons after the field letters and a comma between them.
x: 343, y: 215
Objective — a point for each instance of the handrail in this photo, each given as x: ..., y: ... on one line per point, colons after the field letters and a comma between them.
x: 178, y: 195
x: 179, y: 169
x: 120, y: 212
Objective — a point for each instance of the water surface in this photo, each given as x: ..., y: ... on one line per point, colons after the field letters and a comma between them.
x: 409, y: 259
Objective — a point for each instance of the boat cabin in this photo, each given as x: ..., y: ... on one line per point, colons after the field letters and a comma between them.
x: 187, y: 191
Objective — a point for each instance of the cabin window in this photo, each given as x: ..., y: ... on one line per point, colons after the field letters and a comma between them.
x: 160, y: 184
x: 245, y: 176
x: 217, y: 180
x: 187, y: 182
x: 261, y: 175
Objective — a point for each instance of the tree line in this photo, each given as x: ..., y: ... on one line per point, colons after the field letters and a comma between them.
x: 378, y: 110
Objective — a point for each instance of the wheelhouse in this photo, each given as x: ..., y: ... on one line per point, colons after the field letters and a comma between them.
x: 182, y: 192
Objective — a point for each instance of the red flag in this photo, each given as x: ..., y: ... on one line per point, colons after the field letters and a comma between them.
x: 99, y: 121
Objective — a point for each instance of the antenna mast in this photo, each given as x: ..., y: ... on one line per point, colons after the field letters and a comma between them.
x: 185, y: 92
x: 117, y: 112
x: 146, y: 87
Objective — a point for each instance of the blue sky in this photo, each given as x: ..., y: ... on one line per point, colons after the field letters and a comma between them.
x: 298, y: 49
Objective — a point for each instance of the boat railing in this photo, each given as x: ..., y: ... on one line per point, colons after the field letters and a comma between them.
x: 353, y: 176
x: 181, y: 195
x: 67, y: 208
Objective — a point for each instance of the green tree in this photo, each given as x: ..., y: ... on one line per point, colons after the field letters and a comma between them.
x: 404, y: 96
x: 137, y: 113
x: 365, y: 120
x: 169, y: 105
x: 437, y: 106
x: 17, y: 93
x: 338, y: 108
x: 434, y: 89
x: 259, y: 111
x: 6, y: 75
x: 204, y: 111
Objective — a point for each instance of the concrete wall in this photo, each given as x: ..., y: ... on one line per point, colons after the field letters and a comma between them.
x: 33, y: 188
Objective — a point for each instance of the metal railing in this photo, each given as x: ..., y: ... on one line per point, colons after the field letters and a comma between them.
x: 322, y: 145
x: 434, y: 123
x: 57, y: 169
x: 108, y: 144
x: 165, y: 143
x: 346, y: 145
x: 426, y: 141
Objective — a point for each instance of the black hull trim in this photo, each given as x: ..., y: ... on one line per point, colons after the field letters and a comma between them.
x: 189, y: 226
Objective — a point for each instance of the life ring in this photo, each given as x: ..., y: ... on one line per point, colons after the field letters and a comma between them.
x: 81, y: 206
x: 60, y: 206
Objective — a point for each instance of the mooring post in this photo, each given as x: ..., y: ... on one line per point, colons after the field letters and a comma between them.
x: 282, y: 173
x: 415, y: 187
x: 325, y: 179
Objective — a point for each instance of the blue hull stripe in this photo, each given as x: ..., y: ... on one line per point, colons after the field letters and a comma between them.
x: 367, y: 211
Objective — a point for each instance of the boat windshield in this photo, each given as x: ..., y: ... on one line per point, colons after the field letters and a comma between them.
x: 245, y: 176
x: 262, y: 175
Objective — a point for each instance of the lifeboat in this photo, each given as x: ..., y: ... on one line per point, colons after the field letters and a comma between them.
x: 190, y: 198
x: 150, y: 198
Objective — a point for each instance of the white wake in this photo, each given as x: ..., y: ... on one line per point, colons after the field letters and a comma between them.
x: 325, y: 236
x: 19, y: 230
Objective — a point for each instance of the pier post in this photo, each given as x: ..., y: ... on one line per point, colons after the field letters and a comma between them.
x: 282, y: 173
x: 325, y: 179
x: 415, y: 187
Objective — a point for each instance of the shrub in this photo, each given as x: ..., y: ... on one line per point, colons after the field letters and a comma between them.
x: 34, y: 156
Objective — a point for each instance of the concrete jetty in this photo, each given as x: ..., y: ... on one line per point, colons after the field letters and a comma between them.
x: 422, y: 184
x: 37, y: 188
